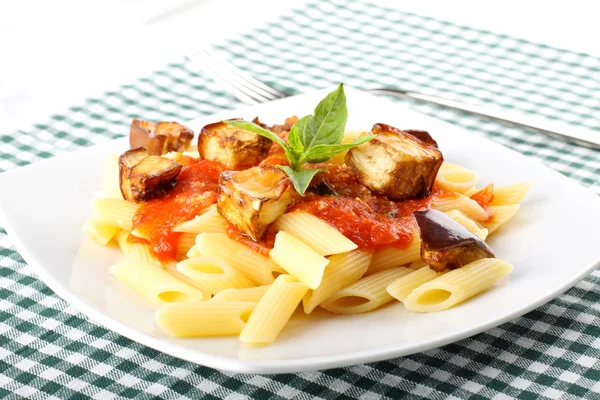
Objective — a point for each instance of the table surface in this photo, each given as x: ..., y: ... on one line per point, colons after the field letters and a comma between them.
x: 79, y: 72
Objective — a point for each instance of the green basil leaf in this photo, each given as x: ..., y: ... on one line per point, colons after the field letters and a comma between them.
x: 259, y: 130
x: 324, y: 152
x: 327, y: 124
x: 301, y: 179
x: 296, y: 153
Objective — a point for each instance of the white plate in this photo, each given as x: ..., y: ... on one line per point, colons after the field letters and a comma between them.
x: 553, y: 243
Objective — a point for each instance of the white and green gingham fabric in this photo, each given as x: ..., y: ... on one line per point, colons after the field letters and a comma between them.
x: 50, y: 350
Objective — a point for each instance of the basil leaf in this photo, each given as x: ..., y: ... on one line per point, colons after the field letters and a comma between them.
x: 324, y: 152
x: 259, y: 130
x: 296, y: 155
x: 301, y: 179
x: 327, y: 124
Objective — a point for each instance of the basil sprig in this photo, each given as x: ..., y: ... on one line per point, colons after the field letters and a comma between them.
x: 314, y: 138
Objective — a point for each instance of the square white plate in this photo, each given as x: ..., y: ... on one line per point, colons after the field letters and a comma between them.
x: 553, y: 243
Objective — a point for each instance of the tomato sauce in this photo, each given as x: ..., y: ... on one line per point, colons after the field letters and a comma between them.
x: 196, y: 189
x: 263, y: 247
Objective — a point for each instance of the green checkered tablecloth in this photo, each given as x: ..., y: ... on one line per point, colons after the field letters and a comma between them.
x: 50, y: 350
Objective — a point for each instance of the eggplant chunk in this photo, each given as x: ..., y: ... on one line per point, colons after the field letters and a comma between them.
x: 143, y: 177
x: 253, y: 198
x: 159, y: 138
x: 232, y: 147
x: 395, y: 164
x: 446, y: 244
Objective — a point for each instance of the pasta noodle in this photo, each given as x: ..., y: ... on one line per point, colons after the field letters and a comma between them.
x: 100, y: 231
x: 468, y: 223
x: 253, y: 294
x: 298, y: 259
x: 114, y: 212
x: 510, y: 194
x: 258, y: 268
x: 312, y: 231
x: 213, y: 274
x: 209, y: 222
x: 342, y: 270
x: 391, y: 256
x: 456, y: 178
x: 133, y: 251
x: 501, y: 215
x: 365, y: 295
x: 457, y: 285
x: 204, y: 318
x: 154, y: 283
x: 466, y: 205
x: 401, y: 288
x: 185, y: 242
x: 273, y: 310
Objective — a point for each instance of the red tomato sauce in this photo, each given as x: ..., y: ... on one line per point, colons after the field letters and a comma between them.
x: 196, y: 189
x: 263, y: 247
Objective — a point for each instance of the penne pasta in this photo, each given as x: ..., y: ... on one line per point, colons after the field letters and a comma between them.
x: 457, y: 285
x: 510, y: 194
x: 213, y: 274
x: 342, y: 270
x: 204, y: 318
x: 209, y: 222
x: 401, y: 288
x: 111, y: 186
x: 114, y: 212
x: 391, y: 256
x: 468, y: 223
x: 256, y: 267
x: 154, y: 283
x: 253, y: 294
x: 367, y: 294
x: 312, y: 231
x: 99, y: 231
x: 500, y: 216
x: 133, y: 251
x: 273, y: 310
x: 466, y: 205
x: 456, y: 178
x: 184, y: 243
x: 298, y: 259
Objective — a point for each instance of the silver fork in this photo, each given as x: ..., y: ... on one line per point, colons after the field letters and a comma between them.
x: 251, y: 91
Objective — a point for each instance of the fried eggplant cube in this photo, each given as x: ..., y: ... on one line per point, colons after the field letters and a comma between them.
x: 143, y: 177
x: 232, y: 147
x: 159, y: 138
x: 446, y: 244
x: 253, y: 198
x: 396, y: 164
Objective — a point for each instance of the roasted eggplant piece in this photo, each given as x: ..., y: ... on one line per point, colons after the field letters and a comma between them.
x: 253, y: 198
x: 143, y: 177
x: 232, y: 147
x: 159, y: 138
x: 423, y: 136
x: 446, y: 244
x: 395, y: 164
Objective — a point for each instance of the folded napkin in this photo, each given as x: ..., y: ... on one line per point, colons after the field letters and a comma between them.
x: 49, y: 349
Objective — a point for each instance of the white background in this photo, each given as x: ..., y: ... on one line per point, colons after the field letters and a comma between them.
x: 55, y: 53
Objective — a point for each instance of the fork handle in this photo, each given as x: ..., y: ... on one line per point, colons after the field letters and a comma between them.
x: 553, y: 128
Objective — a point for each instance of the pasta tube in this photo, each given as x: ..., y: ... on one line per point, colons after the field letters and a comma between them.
x: 401, y: 288
x: 298, y: 259
x: 213, y: 274
x: 365, y: 295
x: 133, y: 251
x: 253, y: 294
x: 209, y: 222
x: 391, y: 256
x: 468, y: 223
x: 314, y: 232
x: 154, y: 283
x: 466, y: 205
x: 258, y: 268
x: 273, y: 310
x: 500, y: 216
x: 456, y: 178
x: 510, y: 194
x: 457, y: 285
x: 99, y: 231
x: 204, y: 318
x: 343, y: 269
x: 114, y: 212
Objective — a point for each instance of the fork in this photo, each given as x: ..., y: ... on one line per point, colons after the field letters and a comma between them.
x: 252, y: 91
